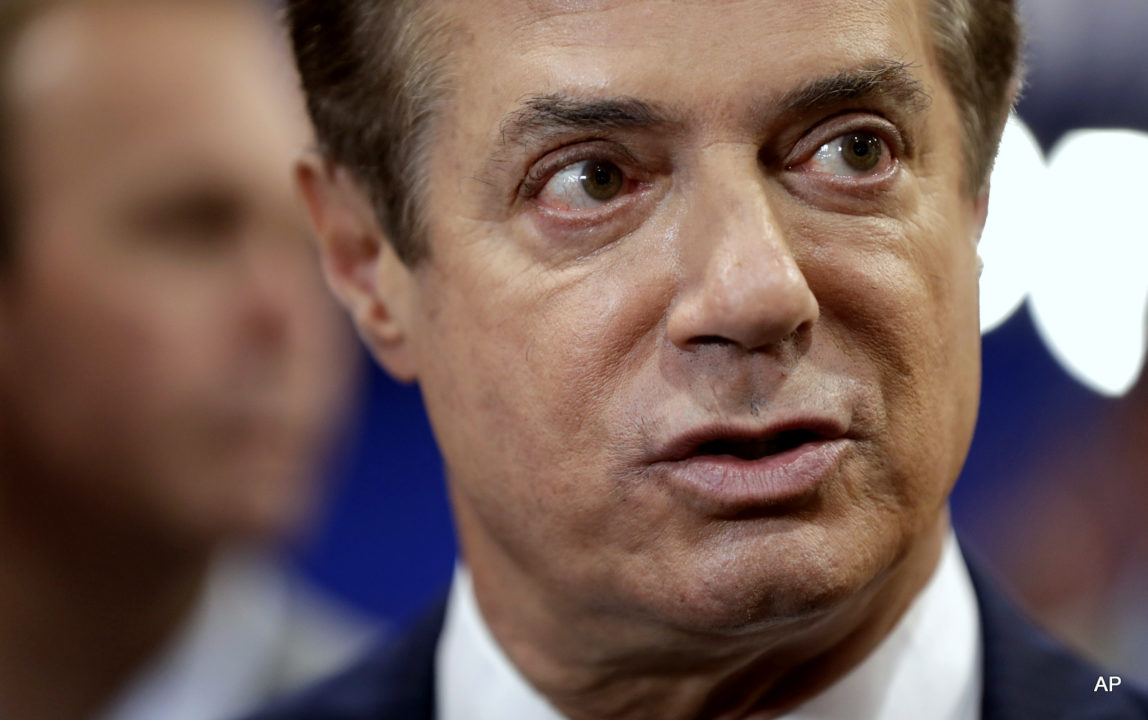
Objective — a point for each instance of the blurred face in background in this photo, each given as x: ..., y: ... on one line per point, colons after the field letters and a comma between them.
x: 170, y: 357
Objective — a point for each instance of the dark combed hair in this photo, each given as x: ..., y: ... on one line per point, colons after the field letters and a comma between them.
x: 978, y: 47
x: 375, y: 73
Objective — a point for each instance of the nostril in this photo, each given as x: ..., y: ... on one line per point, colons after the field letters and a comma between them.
x: 711, y: 340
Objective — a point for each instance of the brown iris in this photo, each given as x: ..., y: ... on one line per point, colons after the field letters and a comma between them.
x: 601, y: 180
x: 861, y: 150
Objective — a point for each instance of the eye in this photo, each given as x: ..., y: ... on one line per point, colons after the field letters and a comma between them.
x: 194, y: 219
x: 854, y: 154
x: 583, y: 185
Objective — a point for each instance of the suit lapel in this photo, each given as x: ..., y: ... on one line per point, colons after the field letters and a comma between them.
x: 1027, y: 674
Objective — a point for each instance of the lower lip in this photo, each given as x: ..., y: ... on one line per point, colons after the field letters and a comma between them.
x: 724, y: 484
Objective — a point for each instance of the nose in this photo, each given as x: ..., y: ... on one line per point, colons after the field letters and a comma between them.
x: 741, y: 284
x: 267, y: 289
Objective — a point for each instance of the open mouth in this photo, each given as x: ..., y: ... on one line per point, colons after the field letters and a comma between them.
x: 730, y: 470
x: 758, y: 447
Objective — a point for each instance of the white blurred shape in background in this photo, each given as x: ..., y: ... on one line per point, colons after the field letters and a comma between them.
x: 1071, y: 235
x: 1017, y: 215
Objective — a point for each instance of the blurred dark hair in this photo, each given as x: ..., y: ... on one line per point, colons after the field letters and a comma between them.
x: 375, y: 71
x: 15, y: 15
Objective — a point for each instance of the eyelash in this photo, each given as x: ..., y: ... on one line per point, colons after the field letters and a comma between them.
x: 893, y: 147
x: 839, y: 126
x: 541, y: 172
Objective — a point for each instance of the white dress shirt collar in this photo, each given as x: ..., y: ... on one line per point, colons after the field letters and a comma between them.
x: 255, y: 632
x: 929, y: 666
x: 214, y: 668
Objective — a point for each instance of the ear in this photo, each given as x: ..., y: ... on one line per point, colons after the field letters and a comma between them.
x: 981, y: 208
x: 359, y: 263
x: 981, y: 215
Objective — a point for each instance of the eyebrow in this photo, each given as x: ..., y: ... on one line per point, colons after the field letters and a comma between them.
x: 883, y: 79
x: 541, y: 117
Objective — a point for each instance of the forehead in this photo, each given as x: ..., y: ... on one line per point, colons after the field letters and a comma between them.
x: 705, y: 52
x: 118, y: 87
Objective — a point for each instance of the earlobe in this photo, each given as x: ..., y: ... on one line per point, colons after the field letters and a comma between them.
x: 359, y: 263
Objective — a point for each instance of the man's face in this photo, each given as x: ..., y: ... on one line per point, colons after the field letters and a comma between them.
x: 698, y: 329
x: 170, y: 354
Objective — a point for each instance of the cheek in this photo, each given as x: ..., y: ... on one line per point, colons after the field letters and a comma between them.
x: 902, y: 308
x: 82, y: 423
x: 108, y: 358
x: 145, y: 350
x: 529, y: 370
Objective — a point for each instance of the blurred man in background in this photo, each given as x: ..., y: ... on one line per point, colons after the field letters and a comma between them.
x: 170, y: 366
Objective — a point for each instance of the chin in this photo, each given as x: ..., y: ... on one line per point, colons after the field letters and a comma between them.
x: 749, y: 585
x: 252, y: 508
x: 270, y: 519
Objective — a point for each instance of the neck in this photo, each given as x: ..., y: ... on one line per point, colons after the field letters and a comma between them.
x: 83, y: 604
x: 592, y: 666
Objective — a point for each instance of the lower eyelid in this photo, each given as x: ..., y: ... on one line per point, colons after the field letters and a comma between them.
x: 563, y: 194
x: 571, y: 185
x: 603, y: 214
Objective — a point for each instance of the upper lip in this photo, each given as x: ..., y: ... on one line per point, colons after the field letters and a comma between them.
x: 760, y: 439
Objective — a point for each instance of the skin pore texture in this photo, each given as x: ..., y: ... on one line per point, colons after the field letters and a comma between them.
x: 170, y: 363
x: 738, y: 278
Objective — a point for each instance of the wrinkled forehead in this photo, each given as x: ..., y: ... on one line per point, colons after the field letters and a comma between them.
x: 712, y: 57
x: 778, y: 25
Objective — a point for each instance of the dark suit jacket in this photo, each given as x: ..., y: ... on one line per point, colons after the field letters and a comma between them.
x: 1027, y: 676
